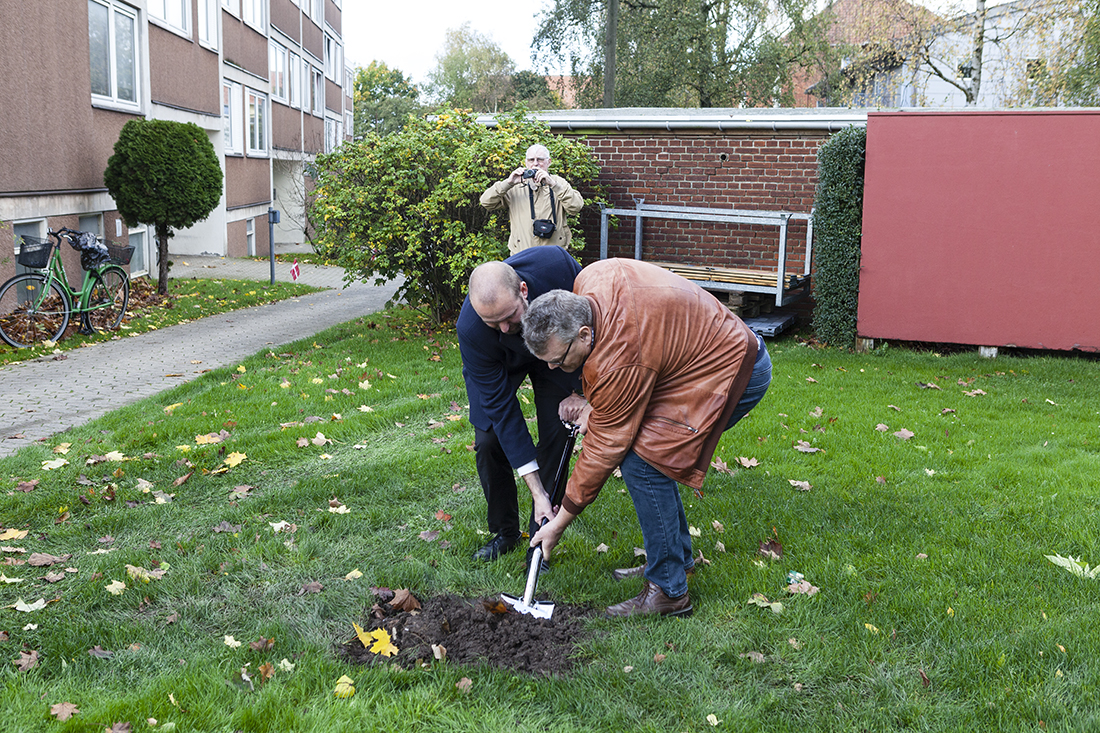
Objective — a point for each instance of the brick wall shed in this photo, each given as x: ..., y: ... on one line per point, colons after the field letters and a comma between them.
x: 732, y: 158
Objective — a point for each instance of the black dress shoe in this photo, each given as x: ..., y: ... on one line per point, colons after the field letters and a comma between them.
x: 497, y: 546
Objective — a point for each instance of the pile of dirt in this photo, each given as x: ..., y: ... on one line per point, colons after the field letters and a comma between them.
x: 475, y: 631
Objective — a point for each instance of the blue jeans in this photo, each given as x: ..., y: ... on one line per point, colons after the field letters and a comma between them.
x: 657, y: 500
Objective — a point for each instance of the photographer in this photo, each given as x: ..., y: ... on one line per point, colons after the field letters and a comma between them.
x: 537, y: 203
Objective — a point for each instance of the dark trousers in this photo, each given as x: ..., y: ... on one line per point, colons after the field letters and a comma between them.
x: 498, y: 479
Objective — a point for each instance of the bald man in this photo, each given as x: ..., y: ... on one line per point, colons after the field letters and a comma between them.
x: 495, y: 362
x: 532, y: 193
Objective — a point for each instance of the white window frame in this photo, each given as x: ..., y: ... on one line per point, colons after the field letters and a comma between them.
x: 334, y: 58
x: 349, y: 124
x: 114, y: 10
x: 258, y: 130
x: 349, y: 81
x: 316, y: 11
x: 208, y: 23
x: 148, y: 254
x: 334, y: 133
x: 317, y: 91
x: 254, y: 13
x: 175, y: 15
x: 233, y: 6
x: 277, y: 68
x: 233, y: 117
x: 294, y: 79
x: 250, y: 236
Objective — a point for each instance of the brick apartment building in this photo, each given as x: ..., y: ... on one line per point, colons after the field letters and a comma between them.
x: 265, y: 79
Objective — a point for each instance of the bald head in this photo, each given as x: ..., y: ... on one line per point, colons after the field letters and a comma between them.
x: 498, y: 296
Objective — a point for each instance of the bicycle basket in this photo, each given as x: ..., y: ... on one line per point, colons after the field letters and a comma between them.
x: 34, y: 252
x: 119, y: 254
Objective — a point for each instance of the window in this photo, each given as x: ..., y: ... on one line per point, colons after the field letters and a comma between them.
x: 277, y: 66
x: 252, y: 12
x: 176, y: 14
x: 208, y: 22
x: 294, y: 80
x: 317, y: 91
x: 138, y: 263
x: 113, y: 49
x: 29, y: 229
x: 349, y: 81
x: 349, y: 124
x: 257, y: 122
x: 232, y: 117
x: 334, y: 58
x: 334, y: 133
x: 233, y: 6
x: 316, y: 10
x: 250, y: 236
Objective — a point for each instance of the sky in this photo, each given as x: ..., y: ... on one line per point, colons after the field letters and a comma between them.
x: 407, y: 34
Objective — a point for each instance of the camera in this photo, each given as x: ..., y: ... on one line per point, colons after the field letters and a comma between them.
x: 529, y: 173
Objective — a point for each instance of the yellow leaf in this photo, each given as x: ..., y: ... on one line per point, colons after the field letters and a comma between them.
x: 169, y: 408
x: 242, y: 386
x: 234, y: 459
x: 231, y: 642
x: 183, y: 448
x: 872, y: 628
x: 62, y: 448
x: 241, y: 369
x: 364, y: 637
x: 317, y: 380
x: 6, y: 579
x: 365, y: 384
x: 13, y: 534
x: 353, y: 575
x: 208, y: 439
x: 382, y: 644
x: 115, y: 587
x: 345, y: 687
x: 55, y: 463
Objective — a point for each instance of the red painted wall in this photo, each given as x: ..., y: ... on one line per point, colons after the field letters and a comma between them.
x: 982, y: 228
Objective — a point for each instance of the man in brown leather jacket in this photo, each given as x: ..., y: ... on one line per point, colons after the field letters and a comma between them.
x: 666, y: 369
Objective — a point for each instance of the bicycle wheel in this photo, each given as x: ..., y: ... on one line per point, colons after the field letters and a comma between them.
x: 108, y: 299
x: 29, y: 314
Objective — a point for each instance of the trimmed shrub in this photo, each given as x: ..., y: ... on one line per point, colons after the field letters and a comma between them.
x: 164, y: 174
x: 407, y: 204
x: 838, y: 226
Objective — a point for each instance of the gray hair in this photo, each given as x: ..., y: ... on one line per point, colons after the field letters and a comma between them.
x: 538, y: 151
x: 556, y: 313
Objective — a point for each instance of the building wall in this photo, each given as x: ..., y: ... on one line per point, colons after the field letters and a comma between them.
x: 247, y: 182
x: 287, y: 17
x: 981, y: 228
x: 332, y: 16
x: 199, y: 90
x: 313, y: 38
x: 243, y: 46
x: 742, y: 169
x: 286, y: 127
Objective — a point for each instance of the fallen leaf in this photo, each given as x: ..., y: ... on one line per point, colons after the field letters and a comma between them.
x: 756, y: 657
x: 8, y: 581
x: 800, y: 485
x: 231, y: 642
x: 100, y: 653
x: 464, y: 684
x: 429, y: 535
x: 125, y: 727
x: 115, y: 587
x: 439, y: 651
x: 748, y: 462
x: 27, y: 660
x: 404, y: 600
x: 718, y: 526
x: 262, y: 644
x: 658, y: 658
x: 266, y: 670
x: 713, y: 719
x: 353, y: 575
x: 871, y: 627
x: 13, y: 534
x: 286, y: 665
x: 443, y: 516
x: 145, y: 576
x: 904, y: 434
x: 345, y: 687
x: 311, y: 587
x: 924, y: 678
x: 811, y: 380
x: 225, y: 526
x: 319, y: 439
x: 803, y: 447
x: 41, y: 559
x: 52, y: 577
x: 602, y: 547
x: 27, y: 486
x: 720, y: 466
x: 882, y: 427
x: 234, y: 459
x: 382, y: 643
x: 927, y: 385
x: 803, y: 587
x: 720, y: 546
x: 946, y: 411
x: 771, y: 549
x: 759, y: 599
x: 169, y: 408
x: 161, y: 497
x: 182, y: 479
x: 55, y: 463
x: 63, y: 710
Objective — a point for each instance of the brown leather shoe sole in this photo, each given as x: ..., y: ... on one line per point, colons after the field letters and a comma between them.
x: 637, y: 572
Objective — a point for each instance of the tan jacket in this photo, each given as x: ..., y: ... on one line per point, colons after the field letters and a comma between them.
x: 667, y: 369
x: 503, y: 195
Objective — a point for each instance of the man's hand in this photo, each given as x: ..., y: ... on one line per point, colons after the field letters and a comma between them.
x: 540, y: 501
x: 516, y: 177
x: 569, y: 409
x: 541, y: 177
x: 549, y: 535
x: 582, y: 420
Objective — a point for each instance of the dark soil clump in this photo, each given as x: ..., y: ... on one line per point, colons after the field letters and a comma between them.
x: 472, y: 633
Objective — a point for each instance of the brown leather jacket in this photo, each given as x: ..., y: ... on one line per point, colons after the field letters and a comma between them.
x: 667, y: 369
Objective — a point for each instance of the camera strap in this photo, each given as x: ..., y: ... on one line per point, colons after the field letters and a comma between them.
x: 553, y: 205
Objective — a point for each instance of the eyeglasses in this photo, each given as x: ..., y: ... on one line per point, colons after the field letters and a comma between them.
x: 563, y: 356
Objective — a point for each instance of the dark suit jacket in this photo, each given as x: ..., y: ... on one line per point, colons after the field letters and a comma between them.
x: 494, y: 364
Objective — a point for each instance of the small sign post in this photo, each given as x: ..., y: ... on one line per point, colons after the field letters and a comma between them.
x: 272, y: 220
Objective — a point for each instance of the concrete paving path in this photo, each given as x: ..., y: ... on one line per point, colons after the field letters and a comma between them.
x: 44, y: 396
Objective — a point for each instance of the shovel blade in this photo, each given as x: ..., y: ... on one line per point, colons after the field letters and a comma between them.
x: 538, y: 609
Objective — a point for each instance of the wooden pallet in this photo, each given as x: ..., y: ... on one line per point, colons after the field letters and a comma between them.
x: 760, y: 278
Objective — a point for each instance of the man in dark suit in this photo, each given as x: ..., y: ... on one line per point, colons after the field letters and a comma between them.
x: 495, y: 362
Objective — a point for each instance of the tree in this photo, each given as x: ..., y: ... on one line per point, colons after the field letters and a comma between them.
x: 682, y: 53
x: 533, y: 92
x: 384, y: 99
x: 375, y: 213
x: 472, y: 72
x: 166, y: 175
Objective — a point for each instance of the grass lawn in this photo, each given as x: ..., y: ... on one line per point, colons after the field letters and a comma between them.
x: 936, y: 485
x: 188, y: 300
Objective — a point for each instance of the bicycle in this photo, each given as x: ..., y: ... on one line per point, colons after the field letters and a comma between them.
x: 37, y: 306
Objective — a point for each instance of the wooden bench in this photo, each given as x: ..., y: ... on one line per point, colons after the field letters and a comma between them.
x: 785, y: 287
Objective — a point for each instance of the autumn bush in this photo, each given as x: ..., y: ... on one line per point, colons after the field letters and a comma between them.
x: 838, y: 228
x: 406, y: 204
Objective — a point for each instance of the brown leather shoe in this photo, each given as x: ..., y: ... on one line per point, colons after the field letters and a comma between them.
x: 638, y: 572
x: 652, y: 600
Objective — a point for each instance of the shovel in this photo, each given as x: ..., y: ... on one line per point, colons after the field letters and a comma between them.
x: 527, y: 604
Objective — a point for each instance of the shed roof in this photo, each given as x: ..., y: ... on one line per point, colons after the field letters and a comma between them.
x: 665, y: 118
